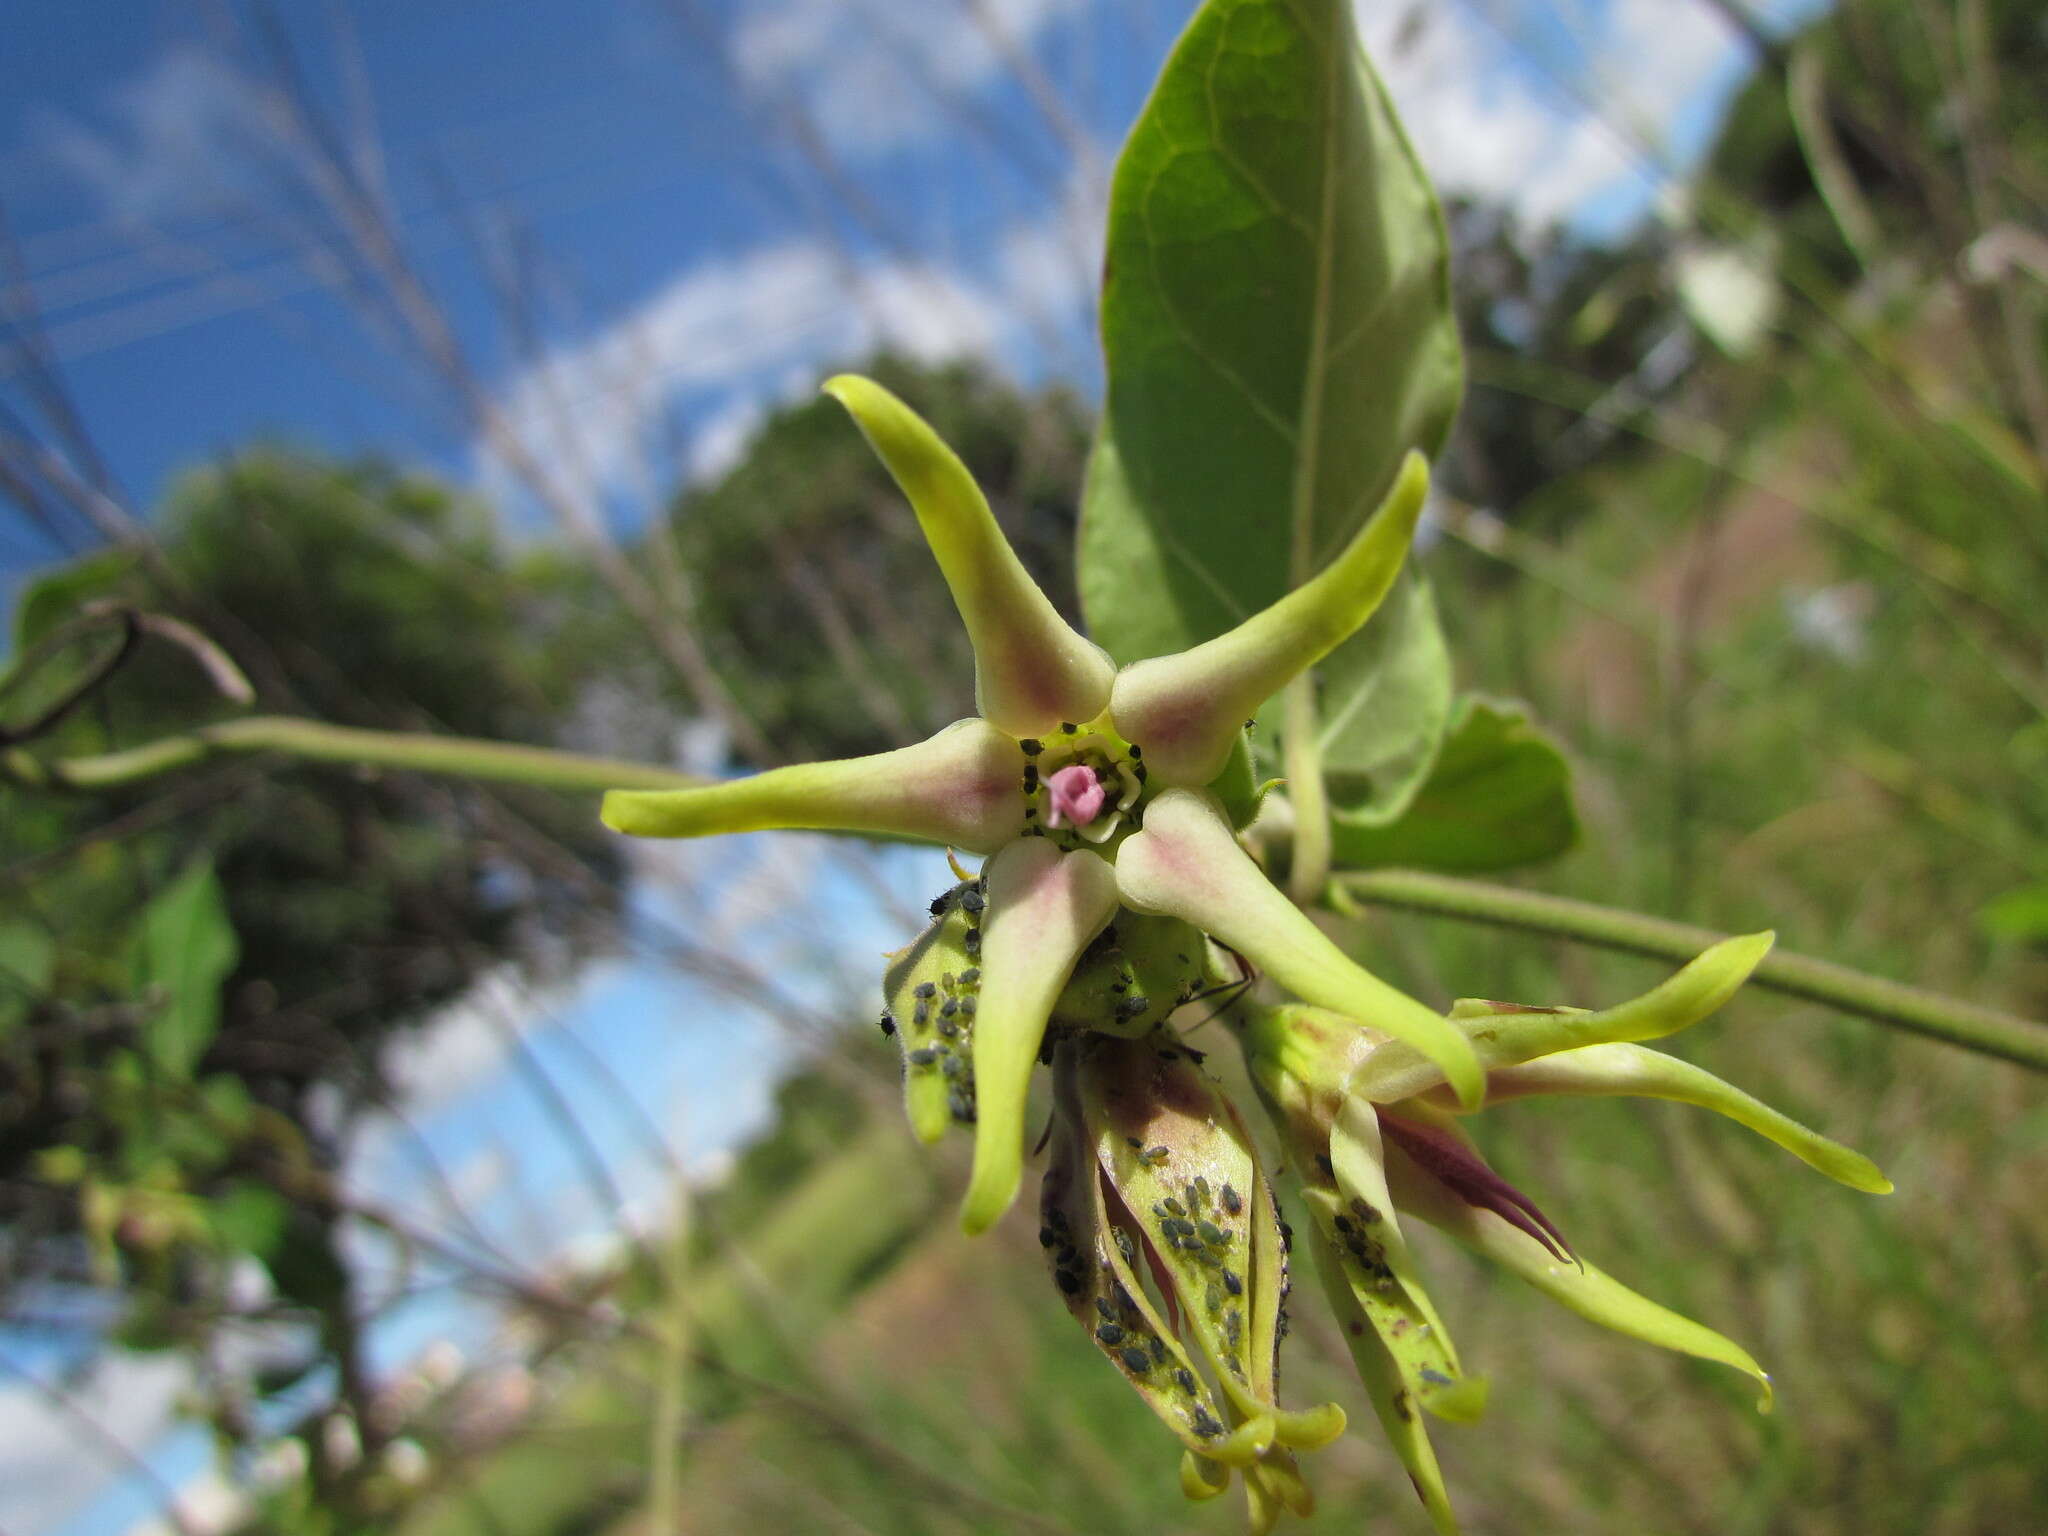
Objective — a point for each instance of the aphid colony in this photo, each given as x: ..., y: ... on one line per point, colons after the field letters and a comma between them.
x: 936, y: 1016
x: 1123, y: 1323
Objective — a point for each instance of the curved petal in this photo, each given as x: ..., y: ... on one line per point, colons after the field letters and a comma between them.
x: 960, y: 787
x: 1597, y: 1070
x: 1187, y: 864
x: 1506, y: 1034
x: 1032, y: 670
x: 1596, y: 1296
x: 1356, y: 1214
x: 1405, y: 1429
x: 1186, y: 710
x: 1044, y: 906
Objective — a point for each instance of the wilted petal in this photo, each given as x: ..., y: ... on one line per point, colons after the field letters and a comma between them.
x: 960, y: 788
x: 1043, y: 908
x: 1634, y: 1069
x: 1032, y: 671
x: 1505, y: 1034
x: 1180, y: 1162
x: 1186, y: 710
x: 1187, y: 863
x: 933, y: 992
x: 1577, y: 1284
x: 1095, y: 1246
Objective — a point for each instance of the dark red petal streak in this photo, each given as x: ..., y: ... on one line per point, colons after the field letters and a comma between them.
x: 1466, y: 1174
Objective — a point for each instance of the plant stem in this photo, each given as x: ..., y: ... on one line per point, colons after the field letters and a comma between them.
x: 460, y: 756
x: 664, y: 1492
x: 1872, y: 997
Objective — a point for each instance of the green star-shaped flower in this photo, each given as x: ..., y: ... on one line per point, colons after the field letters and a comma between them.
x: 1088, y: 788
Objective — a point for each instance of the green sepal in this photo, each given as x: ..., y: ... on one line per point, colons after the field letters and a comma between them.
x: 1237, y: 788
x: 938, y: 1046
x: 1606, y: 1070
x: 1592, y: 1294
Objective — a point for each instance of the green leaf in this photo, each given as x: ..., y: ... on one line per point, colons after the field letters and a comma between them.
x: 55, y: 596
x: 1277, y: 324
x: 183, y: 949
x: 1498, y: 795
x: 2020, y: 914
x: 250, y: 1218
x: 1385, y: 703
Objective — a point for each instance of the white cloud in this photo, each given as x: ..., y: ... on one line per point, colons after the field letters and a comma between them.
x: 49, y: 1467
x: 872, y: 71
x: 734, y: 335
x: 1479, y: 124
x: 182, y: 136
x: 1499, y: 109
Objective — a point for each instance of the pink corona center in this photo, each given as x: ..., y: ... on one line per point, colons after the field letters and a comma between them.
x: 1075, y: 796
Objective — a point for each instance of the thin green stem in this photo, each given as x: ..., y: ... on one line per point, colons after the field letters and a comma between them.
x: 316, y: 741
x: 664, y: 1494
x: 1888, y: 1002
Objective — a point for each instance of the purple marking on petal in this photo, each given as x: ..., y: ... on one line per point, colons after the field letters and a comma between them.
x: 1465, y: 1173
x: 1076, y: 795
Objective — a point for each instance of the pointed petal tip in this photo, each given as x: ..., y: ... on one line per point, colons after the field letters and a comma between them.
x: 990, y: 1192
x: 1032, y: 669
x: 1201, y: 1479
x: 1310, y: 1429
x: 1462, y: 1402
x: 1462, y: 1071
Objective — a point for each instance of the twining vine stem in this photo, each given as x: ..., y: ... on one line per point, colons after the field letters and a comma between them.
x: 1821, y: 981
x: 315, y: 740
x: 1887, y: 1002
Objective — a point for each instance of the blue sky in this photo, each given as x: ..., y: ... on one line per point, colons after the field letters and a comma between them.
x: 705, y: 205
x: 708, y: 203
